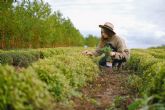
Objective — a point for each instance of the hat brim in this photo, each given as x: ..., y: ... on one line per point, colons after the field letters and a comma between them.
x: 103, y: 26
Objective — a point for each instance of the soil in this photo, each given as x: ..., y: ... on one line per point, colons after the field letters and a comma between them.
x: 108, y: 91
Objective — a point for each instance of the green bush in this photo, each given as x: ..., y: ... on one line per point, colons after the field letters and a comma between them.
x: 65, y: 74
x: 151, y: 74
x: 141, y: 61
x: 155, y: 78
x: 21, y: 59
x: 24, y: 57
x: 23, y: 90
x: 60, y: 74
x: 48, y: 52
x: 6, y: 58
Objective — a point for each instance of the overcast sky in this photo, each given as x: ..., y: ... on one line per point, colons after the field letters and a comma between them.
x: 140, y: 22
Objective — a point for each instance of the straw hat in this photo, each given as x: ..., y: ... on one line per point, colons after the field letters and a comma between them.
x: 108, y: 25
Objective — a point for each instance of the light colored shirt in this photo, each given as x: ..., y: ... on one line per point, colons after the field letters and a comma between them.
x: 119, y: 46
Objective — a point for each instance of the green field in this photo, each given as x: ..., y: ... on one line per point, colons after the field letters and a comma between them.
x: 37, y: 79
x: 54, y: 76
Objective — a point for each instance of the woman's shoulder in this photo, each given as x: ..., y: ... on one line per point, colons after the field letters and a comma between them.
x: 119, y: 38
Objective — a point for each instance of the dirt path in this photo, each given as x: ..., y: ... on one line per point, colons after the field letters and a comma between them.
x: 103, y: 92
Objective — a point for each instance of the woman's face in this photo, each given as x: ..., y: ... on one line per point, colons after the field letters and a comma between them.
x: 104, y: 34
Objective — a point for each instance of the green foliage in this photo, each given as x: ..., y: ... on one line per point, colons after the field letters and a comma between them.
x: 24, y: 57
x: 21, y: 59
x: 157, y: 53
x: 56, y: 78
x: 149, y: 66
x: 145, y: 103
x: 157, y: 79
x: 6, y: 58
x: 32, y: 24
x: 134, y: 105
x: 106, y: 49
x: 141, y: 61
x: 23, y: 90
x: 91, y: 41
x: 64, y: 74
x: 119, y: 103
x: 135, y: 83
x: 64, y: 70
x: 49, y: 52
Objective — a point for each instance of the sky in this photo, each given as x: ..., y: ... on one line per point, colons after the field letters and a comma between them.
x: 140, y: 22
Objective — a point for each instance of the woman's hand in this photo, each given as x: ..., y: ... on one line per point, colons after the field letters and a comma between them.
x: 87, y: 52
x: 112, y: 53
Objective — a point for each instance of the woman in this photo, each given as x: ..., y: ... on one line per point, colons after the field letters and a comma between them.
x: 118, y: 52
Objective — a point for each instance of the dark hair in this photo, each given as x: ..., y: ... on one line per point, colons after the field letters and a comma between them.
x: 108, y: 31
x: 102, y: 40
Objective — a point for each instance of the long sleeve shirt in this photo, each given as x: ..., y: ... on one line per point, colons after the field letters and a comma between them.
x: 119, y: 47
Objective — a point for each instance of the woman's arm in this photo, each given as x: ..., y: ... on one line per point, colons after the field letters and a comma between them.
x: 122, y: 51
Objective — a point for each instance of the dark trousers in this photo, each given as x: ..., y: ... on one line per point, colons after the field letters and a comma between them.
x: 115, y: 62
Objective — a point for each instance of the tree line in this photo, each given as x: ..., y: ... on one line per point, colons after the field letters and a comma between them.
x: 33, y: 24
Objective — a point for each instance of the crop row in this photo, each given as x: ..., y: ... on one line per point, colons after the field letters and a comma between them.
x: 46, y: 82
x: 149, y: 80
x: 24, y: 57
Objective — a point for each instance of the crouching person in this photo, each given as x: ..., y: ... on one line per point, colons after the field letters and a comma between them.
x: 112, y: 46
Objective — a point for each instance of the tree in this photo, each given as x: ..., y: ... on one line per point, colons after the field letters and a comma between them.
x: 91, y: 41
x: 31, y: 24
